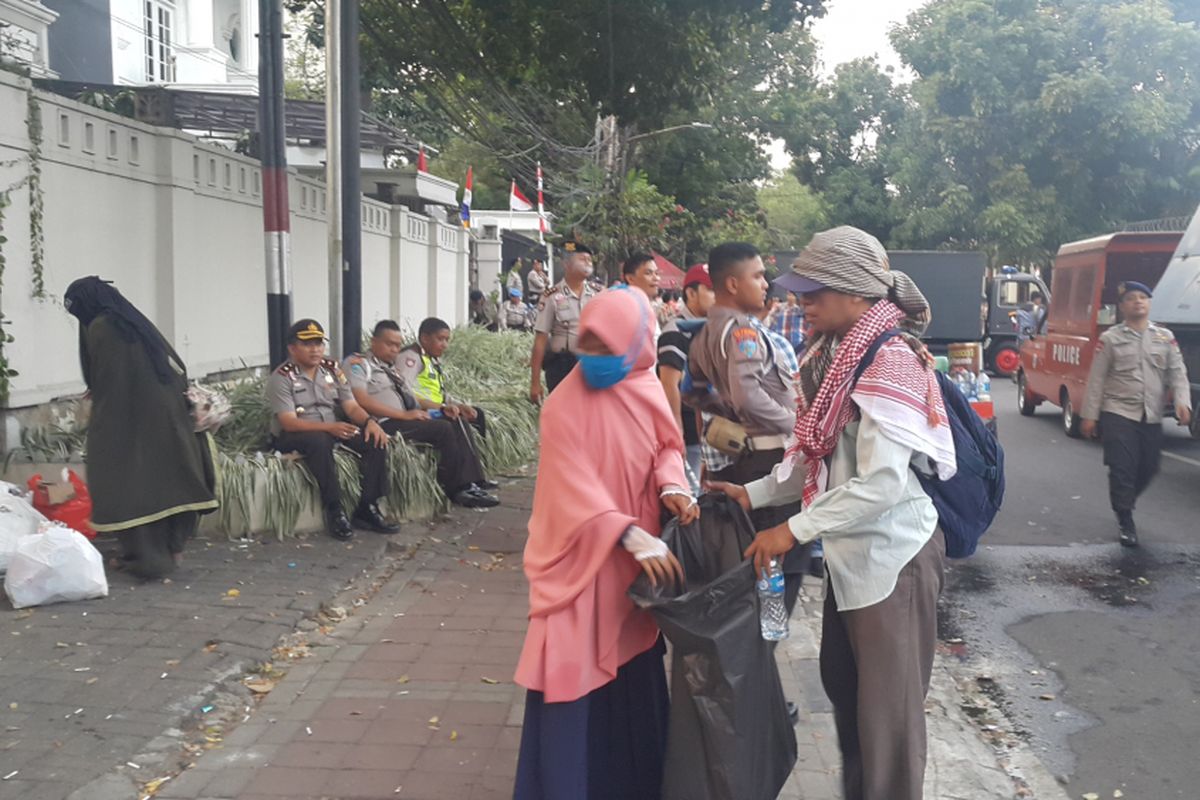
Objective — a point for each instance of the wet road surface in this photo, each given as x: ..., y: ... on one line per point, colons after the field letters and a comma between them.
x: 1092, y: 650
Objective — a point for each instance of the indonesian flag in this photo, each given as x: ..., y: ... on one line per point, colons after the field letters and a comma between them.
x: 464, y: 209
x: 422, y: 163
x: 542, y: 227
x: 518, y: 201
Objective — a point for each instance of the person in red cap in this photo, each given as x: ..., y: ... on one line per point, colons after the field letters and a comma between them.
x: 673, y: 345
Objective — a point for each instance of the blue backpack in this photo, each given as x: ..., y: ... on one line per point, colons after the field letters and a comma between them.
x: 966, y: 503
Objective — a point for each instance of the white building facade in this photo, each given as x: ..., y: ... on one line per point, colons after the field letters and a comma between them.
x: 25, y: 36
x: 201, y: 44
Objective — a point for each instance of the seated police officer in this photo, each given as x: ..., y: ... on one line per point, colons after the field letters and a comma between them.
x: 305, y: 394
x: 420, y: 365
x: 385, y: 395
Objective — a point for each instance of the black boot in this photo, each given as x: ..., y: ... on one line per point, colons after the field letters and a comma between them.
x: 1129, y: 537
x: 368, y: 516
x: 339, y: 526
x: 487, y: 485
x: 473, y: 497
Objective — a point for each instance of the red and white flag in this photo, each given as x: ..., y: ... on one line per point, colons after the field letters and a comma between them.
x: 422, y: 163
x: 543, y: 229
x: 517, y: 201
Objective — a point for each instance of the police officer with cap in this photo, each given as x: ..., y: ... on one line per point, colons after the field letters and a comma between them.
x: 1136, y: 362
x: 557, y: 325
x: 514, y: 315
x: 305, y: 394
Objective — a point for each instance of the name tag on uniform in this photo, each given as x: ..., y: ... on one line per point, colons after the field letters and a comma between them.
x: 297, y: 385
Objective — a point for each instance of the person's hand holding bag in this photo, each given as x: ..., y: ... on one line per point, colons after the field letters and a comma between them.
x: 652, y: 555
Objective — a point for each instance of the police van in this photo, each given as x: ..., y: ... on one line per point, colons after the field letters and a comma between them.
x: 1055, y: 362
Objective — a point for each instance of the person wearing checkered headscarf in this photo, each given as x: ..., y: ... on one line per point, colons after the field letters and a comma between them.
x: 859, y: 438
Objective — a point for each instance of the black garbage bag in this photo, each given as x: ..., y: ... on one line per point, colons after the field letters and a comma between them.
x: 729, y: 737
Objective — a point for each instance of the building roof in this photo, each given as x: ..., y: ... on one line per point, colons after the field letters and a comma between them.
x: 230, y: 115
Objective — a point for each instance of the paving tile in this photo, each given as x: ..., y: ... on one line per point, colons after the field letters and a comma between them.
x: 287, y: 781
x: 364, y: 783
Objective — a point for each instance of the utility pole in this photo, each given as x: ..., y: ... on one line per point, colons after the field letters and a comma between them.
x: 352, y: 325
x: 333, y: 167
x: 272, y: 131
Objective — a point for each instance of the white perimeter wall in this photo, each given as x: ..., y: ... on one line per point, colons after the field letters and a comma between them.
x: 177, y: 225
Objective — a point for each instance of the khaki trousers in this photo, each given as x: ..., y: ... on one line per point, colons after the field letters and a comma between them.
x: 875, y: 665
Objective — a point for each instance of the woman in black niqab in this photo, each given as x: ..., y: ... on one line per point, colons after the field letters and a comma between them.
x: 149, y: 473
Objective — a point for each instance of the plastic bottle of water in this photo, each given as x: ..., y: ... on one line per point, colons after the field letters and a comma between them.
x: 983, y: 387
x: 772, y: 614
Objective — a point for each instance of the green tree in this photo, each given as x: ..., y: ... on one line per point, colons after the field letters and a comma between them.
x: 837, y: 134
x: 1035, y: 122
x: 794, y: 212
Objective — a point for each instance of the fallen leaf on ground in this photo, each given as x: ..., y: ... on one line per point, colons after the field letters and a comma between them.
x: 490, y: 681
x: 234, y: 593
x: 1046, y: 697
x: 260, y: 686
x: 454, y: 736
x: 434, y: 723
x: 402, y: 679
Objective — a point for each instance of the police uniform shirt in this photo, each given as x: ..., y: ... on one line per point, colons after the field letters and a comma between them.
x: 370, y: 375
x: 316, y: 399
x: 514, y: 315
x: 733, y: 354
x: 537, y: 283
x: 1131, y: 372
x: 422, y: 374
x: 558, y: 314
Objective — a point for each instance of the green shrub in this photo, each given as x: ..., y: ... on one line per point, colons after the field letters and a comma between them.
x: 487, y: 369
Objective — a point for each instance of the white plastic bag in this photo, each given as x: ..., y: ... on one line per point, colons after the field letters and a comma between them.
x: 57, y: 566
x: 18, y: 519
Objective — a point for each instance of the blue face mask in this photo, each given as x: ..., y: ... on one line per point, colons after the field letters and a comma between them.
x: 601, y: 372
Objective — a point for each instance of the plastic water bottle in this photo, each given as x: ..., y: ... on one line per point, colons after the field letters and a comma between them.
x: 983, y: 387
x: 772, y: 613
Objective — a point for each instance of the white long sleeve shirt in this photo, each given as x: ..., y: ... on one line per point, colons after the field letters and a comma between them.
x: 873, y: 518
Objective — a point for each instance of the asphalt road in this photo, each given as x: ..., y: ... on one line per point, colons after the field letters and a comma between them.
x: 1092, y: 650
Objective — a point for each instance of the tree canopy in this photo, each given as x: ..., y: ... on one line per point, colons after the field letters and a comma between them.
x: 1026, y: 123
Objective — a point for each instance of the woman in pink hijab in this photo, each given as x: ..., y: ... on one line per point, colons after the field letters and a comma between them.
x: 611, y: 460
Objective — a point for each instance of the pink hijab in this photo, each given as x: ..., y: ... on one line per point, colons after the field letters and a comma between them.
x: 605, y: 454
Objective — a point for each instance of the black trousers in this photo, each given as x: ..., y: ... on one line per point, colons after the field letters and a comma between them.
x: 458, y: 466
x: 557, y: 367
x: 317, y: 449
x: 750, y: 467
x: 1132, y: 453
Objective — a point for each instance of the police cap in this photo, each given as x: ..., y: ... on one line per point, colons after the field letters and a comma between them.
x: 1132, y: 286
x: 573, y: 245
x: 305, y: 330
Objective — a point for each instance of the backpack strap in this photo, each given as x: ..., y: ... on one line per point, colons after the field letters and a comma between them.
x: 869, y: 356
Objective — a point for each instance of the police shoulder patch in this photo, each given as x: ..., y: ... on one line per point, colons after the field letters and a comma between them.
x: 746, y: 340
x: 288, y: 368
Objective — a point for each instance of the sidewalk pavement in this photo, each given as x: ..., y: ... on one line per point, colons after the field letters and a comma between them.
x: 412, y: 697
x: 95, y: 697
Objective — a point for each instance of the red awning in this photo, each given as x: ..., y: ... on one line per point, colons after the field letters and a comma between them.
x: 670, y: 276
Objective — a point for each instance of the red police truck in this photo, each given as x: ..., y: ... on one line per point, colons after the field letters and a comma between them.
x: 1055, y: 362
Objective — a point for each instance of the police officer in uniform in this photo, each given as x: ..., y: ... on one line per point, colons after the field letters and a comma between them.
x: 305, y: 394
x: 420, y: 365
x: 1135, y: 363
x: 515, y: 315
x: 736, y: 376
x: 537, y: 281
x: 382, y: 392
x: 557, y: 326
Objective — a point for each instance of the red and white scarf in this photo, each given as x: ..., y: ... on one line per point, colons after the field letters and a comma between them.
x: 898, y: 389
